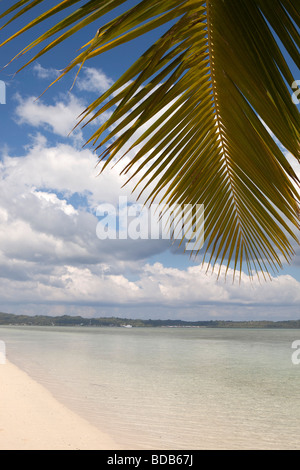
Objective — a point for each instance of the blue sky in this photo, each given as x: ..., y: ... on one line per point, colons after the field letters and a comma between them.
x: 52, y: 261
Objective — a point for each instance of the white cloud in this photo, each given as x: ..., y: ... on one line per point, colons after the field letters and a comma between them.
x: 53, y: 200
x: 39, y: 219
x: 59, y: 118
x: 193, y: 286
x: 64, y: 169
x: 50, y: 255
x: 187, y: 293
x: 93, y: 80
x: 45, y: 73
x: 294, y: 164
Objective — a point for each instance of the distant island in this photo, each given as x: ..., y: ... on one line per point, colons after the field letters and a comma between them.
x: 66, y: 320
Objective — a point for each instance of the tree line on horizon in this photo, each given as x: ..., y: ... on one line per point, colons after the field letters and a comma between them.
x: 67, y: 320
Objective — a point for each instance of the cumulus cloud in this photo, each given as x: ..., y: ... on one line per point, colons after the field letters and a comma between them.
x: 187, y: 293
x: 59, y: 118
x: 52, y: 260
x: 50, y: 253
x: 48, y: 203
x: 45, y: 73
x: 65, y: 169
x: 93, y: 80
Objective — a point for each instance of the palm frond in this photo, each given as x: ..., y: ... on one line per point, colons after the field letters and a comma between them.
x: 208, y: 90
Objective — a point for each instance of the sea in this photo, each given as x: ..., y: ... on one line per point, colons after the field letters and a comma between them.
x: 170, y: 388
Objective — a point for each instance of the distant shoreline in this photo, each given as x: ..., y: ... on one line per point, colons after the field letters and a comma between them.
x: 8, y: 319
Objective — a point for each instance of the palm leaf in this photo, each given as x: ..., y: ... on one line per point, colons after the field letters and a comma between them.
x: 207, y: 91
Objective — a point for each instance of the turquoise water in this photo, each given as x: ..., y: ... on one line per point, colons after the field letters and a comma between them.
x: 170, y: 388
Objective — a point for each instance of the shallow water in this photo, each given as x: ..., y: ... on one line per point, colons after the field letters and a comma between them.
x: 170, y: 388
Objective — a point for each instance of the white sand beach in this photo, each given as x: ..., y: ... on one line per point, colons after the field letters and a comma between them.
x: 32, y: 419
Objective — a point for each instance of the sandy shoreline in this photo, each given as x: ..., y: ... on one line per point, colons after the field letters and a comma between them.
x: 32, y: 419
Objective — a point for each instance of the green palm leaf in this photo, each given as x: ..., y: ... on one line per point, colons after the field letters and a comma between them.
x: 206, y: 89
